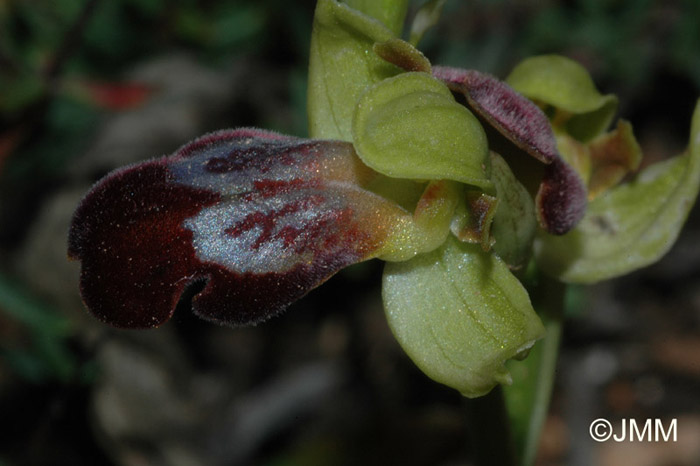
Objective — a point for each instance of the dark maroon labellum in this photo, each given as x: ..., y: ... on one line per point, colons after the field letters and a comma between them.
x: 260, y: 217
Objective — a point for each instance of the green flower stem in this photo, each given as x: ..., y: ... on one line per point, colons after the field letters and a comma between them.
x: 391, y: 13
x: 527, y: 400
x: 490, y: 430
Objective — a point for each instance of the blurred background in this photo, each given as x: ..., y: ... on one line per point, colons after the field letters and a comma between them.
x: 87, y: 86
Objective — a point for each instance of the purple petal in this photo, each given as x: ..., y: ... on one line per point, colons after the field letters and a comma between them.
x: 561, y: 198
x: 515, y: 117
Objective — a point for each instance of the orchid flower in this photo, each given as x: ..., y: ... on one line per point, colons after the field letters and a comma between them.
x: 456, y: 179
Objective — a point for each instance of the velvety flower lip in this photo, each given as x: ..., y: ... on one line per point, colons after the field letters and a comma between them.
x: 262, y: 218
x: 561, y: 198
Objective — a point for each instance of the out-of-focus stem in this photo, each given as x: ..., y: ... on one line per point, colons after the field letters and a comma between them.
x: 527, y: 400
x: 490, y: 430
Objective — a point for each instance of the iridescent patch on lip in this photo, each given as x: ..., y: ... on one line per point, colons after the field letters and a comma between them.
x: 262, y: 218
x: 561, y: 198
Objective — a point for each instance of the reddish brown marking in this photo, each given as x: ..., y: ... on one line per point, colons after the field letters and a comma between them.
x: 261, y: 157
x: 270, y: 188
x: 325, y: 223
x: 212, y: 139
x: 249, y: 158
x: 268, y: 220
x: 432, y: 192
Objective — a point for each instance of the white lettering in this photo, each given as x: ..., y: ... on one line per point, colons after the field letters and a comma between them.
x: 672, y: 429
x: 623, y: 436
x: 630, y: 430
x: 634, y: 429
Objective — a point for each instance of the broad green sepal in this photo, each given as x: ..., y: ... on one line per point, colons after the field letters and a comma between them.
x: 459, y: 314
x: 410, y: 126
x: 515, y: 223
x: 630, y: 226
x: 341, y: 66
x: 391, y: 13
x: 566, y: 85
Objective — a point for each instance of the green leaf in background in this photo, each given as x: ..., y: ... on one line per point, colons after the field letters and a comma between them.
x: 459, y: 314
x: 48, y: 356
x: 341, y: 66
x: 566, y: 85
x: 225, y: 26
x: 24, y: 89
x: 410, y: 126
x: 390, y: 13
x: 630, y: 226
x: 427, y: 16
x: 515, y: 222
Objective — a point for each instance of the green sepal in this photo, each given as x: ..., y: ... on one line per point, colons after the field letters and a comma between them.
x: 515, y: 223
x: 566, y: 85
x: 630, y: 226
x: 459, y: 314
x: 341, y: 66
x: 391, y: 13
x: 410, y: 126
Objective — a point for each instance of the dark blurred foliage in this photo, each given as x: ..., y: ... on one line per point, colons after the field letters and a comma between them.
x: 61, y: 64
x: 80, y: 83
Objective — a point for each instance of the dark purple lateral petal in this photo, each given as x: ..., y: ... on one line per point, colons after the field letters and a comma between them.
x: 514, y: 116
x: 262, y: 218
x: 561, y: 198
